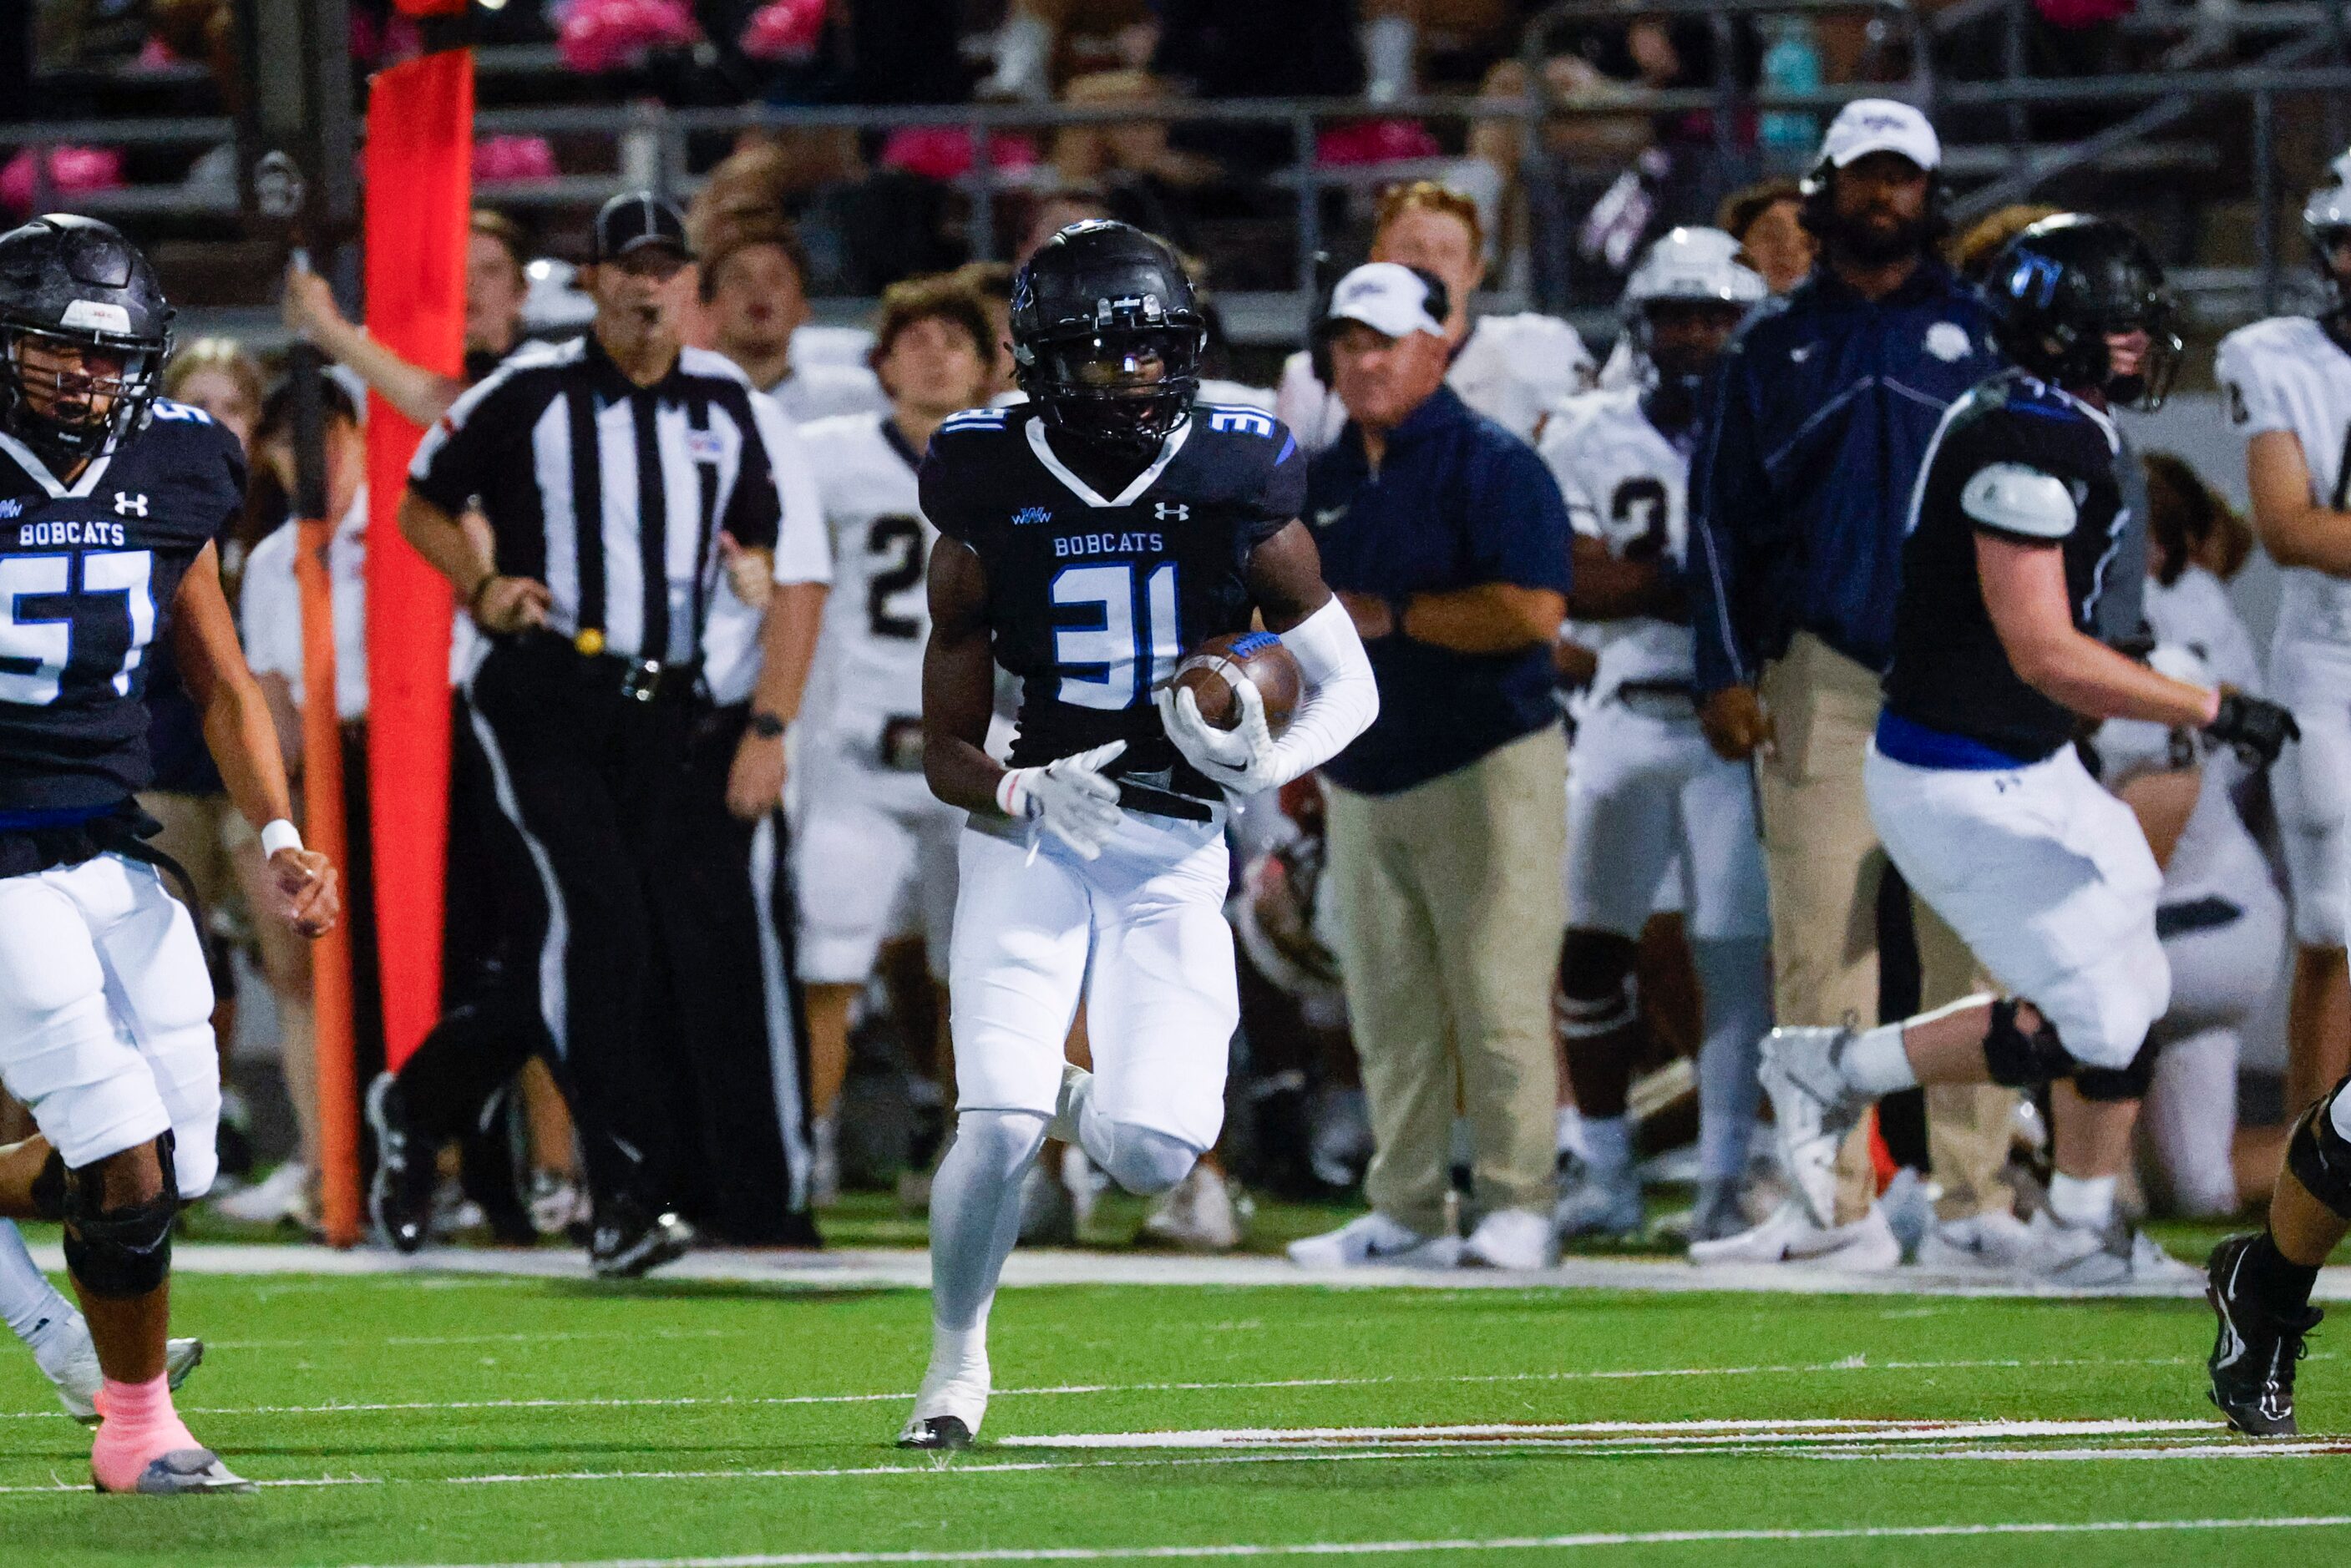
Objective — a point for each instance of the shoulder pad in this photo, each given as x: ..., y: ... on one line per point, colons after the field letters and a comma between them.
x: 2015, y: 499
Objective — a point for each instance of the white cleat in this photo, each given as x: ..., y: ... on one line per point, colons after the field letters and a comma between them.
x: 1077, y: 1086
x: 1597, y: 1206
x: 951, y: 1403
x: 1196, y: 1214
x: 1812, y: 1108
x: 2151, y: 1265
x: 1514, y: 1239
x: 282, y: 1196
x: 2074, y: 1257
x: 1991, y: 1242
x: 1789, y: 1236
x: 1374, y: 1241
x: 68, y: 1358
x: 184, y: 1471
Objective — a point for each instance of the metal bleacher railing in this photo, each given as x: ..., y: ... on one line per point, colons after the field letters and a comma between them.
x: 2233, y: 116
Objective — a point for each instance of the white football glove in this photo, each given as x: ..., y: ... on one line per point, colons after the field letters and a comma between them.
x: 1068, y: 797
x: 1241, y: 758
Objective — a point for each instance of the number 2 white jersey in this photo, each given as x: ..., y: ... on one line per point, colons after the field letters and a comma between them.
x: 2286, y: 374
x: 869, y: 655
x: 1628, y: 486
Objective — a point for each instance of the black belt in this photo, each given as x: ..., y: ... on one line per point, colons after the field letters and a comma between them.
x: 641, y: 679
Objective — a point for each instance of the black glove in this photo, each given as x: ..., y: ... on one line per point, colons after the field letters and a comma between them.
x: 2258, y: 730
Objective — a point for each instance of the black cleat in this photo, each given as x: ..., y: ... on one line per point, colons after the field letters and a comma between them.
x: 400, y: 1198
x: 627, y: 1242
x: 940, y: 1434
x: 2253, y: 1357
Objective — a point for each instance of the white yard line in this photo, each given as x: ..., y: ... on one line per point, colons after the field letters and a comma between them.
x: 1583, y: 1541
x: 1683, y: 1433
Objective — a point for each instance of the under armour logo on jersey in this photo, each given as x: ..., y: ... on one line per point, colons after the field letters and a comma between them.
x: 130, y: 505
x: 1171, y: 512
x: 1027, y: 514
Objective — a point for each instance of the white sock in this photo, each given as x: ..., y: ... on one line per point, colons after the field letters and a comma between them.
x: 1875, y: 1064
x: 976, y: 1212
x: 2085, y: 1202
x: 28, y: 1301
x: 1735, y: 983
x: 1608, y: 1146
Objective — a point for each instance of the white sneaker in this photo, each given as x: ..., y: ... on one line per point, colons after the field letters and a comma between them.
x: 824, y: 1161
x: 282, y: 1196
x: 69, y: 1361
x: 2151, y: 1265
x: 1049, y: 1218
x: 1993, y: 1241
x: 1375, y: 1240
x: 1812, y: 1108
x: 1196, y: 1214
x: 1077, y: 1084
x: 557, y: 1203
x: 952, y: 1400
x: 1085, y: 1184
x: 1909, y: 1204
x: 1509, y: 1239
x: 1606, y: 1205
x: 2074, y: 1257
x: 1789, y: 1236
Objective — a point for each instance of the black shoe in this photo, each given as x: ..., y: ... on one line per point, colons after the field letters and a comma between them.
x: 937, y: 1433
x: 628, y: 1243
x: 400, y: 1198
x: 2253, y: 1357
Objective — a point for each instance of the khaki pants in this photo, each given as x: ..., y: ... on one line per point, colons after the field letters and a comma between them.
x: 1450, y: 915
x: 1823, y: 861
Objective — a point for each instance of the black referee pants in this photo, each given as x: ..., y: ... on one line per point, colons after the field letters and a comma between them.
x: 648, y: 947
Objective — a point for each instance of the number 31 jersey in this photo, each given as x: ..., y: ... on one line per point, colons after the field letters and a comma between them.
x: 869, y: 656
x: 88, y: 575
x: 1092, y: 598
x: 1628, y: 486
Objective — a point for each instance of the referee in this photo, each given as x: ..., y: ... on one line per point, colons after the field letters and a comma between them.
x: 658, y: 571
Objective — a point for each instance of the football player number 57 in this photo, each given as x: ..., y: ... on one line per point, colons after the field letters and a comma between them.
x: 47, y: 625
x: 1127, y: 643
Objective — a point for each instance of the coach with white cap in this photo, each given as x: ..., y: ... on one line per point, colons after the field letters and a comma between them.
x: 1448, y: 540
x: 1817, y: 425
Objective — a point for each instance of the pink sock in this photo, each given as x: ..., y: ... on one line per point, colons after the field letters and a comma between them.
x: 139, y: 1427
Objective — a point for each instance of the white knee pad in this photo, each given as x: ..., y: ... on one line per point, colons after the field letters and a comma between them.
x: 2101, y: 1014
x: 1143, y: 1160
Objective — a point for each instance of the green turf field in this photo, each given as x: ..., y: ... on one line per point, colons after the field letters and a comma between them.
x: 496, y: 1420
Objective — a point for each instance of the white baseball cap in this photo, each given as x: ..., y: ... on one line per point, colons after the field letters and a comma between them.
x: 1386, y: 296
x: 1869, y: 125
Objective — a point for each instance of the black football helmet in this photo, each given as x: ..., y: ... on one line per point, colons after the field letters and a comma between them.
x: 2062, y: 286
x: 1095, y: 302
x: 75, y: 281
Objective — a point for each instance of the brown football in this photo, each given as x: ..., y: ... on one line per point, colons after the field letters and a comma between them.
x: 1210, y: 670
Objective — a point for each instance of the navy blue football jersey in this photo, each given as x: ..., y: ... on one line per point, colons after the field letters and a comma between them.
x: 1092, y: 599
x: 88, y: 575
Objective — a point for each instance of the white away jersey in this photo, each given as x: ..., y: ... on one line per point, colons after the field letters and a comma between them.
x: 1628, y: 486
x: 1511, y: 368
x: 2286, y: 374
x: 869, y: 655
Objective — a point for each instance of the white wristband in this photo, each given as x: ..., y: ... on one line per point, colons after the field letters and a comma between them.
x: 279, y: 835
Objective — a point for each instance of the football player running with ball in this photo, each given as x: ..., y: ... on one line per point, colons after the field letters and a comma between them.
x: 1089, y: 538
x: 114, y: 499
x: 1973, y: 782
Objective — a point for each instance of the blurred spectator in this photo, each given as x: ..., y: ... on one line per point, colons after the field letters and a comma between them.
x: 1143, y: 181
x: 753, y: 283
x: 1056, y: 209
x: 992, y: 283
x: 218, y: 376
x: 1800, y: 499
x: 1767, y: 222
x: 1448, y: 540
x: 271, y: 625
x: 1033, y: 38
x: 1971, y: 251
x: 1511, y: 368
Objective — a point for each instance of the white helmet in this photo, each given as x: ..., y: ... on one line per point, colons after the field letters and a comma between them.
x: 2325, y: 218
x: 1685, y: 266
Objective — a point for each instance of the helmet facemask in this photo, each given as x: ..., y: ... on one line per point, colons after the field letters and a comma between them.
x: 1675, y: 363
x: 1124, y: 387
x: 71, y: 395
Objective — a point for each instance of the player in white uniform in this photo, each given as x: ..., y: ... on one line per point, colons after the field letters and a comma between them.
x: 2288, y: 385
x: 1514, y: 369
x: 874, y: 856
x: 1646, y: 794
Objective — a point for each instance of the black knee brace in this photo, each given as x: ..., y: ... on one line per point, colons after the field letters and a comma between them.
x: 1596, y: 981
x: 2017, y: 1060
x: 2106, y: 1085
x: 49, y: 1187
x: 122, y: 1253
x: 2320, y: 1159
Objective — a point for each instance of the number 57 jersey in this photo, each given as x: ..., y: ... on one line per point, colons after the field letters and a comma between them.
x: 1092, y: 598
x: 88, y: 574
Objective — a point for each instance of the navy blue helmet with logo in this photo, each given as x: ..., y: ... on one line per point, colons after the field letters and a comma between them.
x: 1106, y: 334
x: 2065, y: 285
x: 76, y: 284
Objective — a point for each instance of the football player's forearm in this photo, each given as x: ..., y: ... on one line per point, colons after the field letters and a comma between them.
x: 1492, y: 618
x: 788, y: 648
x: 2079, y: 673
x: 244, y: 744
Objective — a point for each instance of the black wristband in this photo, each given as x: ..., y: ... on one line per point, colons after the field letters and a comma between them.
x: 766, y: 726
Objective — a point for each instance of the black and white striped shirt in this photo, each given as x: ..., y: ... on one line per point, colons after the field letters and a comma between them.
x: 556, y: 434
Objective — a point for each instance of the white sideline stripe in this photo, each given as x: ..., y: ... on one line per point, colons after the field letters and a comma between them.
x: 1683, y: 1432
x: 1496, y: 1543
x: 1847, y: 1364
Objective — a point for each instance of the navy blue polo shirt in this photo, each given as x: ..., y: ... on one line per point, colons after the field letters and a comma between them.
x: 1458, y: 501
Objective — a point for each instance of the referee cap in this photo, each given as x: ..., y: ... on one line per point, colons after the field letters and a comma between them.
x: 635, y: 219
